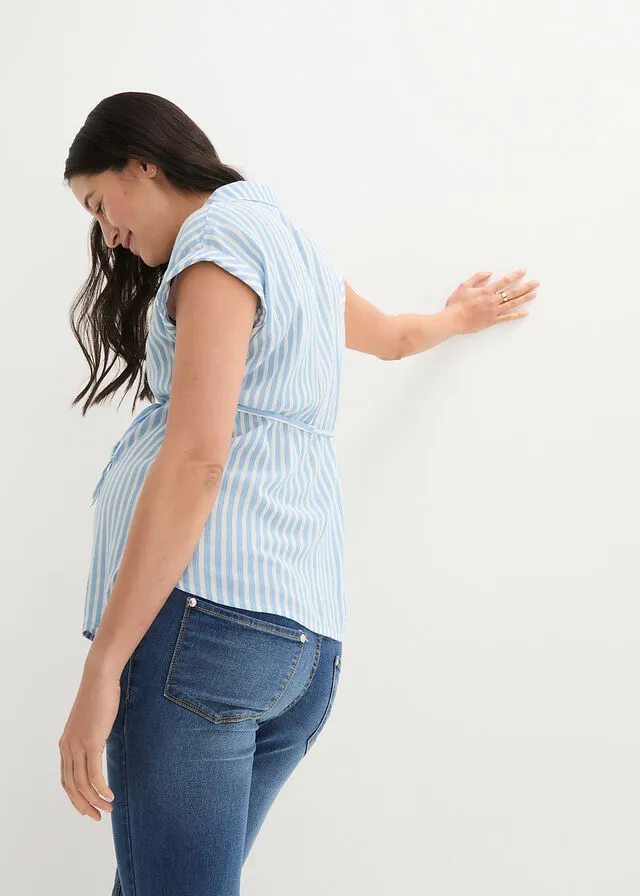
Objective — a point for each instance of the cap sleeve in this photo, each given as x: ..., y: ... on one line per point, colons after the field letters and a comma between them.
x: 231, y: 242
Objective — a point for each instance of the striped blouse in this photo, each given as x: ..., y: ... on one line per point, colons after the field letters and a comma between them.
x: 274, y: 539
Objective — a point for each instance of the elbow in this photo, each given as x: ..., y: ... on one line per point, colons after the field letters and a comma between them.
x: 192, y: 463
x: 397, y: 348
x: 397, y: 354
x: 213, y: 473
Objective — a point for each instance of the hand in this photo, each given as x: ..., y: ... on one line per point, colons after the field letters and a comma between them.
x: 480, y: 304
x: 83, y: 741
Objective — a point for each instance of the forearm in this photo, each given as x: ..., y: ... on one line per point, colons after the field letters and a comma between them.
x: 172, y: 509
x: 419, y: 332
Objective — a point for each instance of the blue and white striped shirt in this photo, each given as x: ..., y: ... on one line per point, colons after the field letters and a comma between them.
x: 274, y: 539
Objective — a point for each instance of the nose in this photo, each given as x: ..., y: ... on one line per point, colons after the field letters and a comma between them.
x: 115, y: 240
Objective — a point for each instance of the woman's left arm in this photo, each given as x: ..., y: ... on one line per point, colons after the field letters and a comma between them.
x: 392, y: 337
x: 215, y: 312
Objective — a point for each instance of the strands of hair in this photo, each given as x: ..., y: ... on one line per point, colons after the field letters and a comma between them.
x: 109, y: 314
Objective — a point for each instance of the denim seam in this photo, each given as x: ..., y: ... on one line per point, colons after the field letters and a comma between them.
x: 126, y: 796
x: 334, y: 681
x: 264, y: 626
x: 197, y: 709
x: 316, y: 659
x: 128, y: 694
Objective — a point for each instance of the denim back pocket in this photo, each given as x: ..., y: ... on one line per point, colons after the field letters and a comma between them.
x: 228, y: 666
x: 332, y: 694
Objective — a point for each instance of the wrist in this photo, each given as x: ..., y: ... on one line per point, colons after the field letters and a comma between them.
x: 454, y: 317
x: 421, y: 332
x: 102, y: 664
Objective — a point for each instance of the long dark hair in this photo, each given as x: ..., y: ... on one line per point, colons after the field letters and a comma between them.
x: 111, y: 307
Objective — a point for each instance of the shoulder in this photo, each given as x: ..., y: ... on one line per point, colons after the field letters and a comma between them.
x: 227, y: 233
x: 239, y: 227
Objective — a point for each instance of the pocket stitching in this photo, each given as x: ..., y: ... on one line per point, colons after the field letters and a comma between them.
x: 198, y: 710
x: 176, y: 650
x: 325, y: 715
x: 250, y: 622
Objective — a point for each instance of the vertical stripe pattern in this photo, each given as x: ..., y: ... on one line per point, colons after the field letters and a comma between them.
x: 274, y: 539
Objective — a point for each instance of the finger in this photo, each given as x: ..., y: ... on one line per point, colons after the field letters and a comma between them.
x: 96, y: 779
x: 508, y: 279
x: 523, y: 289
x: 83, y: 790
x: 68, y: 782
x: 519, y: 299
x: 477, y: 278
x: 514, y: 315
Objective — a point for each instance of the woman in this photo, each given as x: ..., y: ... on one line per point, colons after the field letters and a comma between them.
x: 215, y: 600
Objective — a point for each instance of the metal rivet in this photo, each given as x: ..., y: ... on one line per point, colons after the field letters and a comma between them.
x: 303, y: 637
x: 192, y: 601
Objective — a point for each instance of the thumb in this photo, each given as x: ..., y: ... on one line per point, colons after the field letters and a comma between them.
x: 94, y: 766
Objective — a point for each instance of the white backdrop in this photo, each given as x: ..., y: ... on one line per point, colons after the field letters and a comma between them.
x: 485, y: 736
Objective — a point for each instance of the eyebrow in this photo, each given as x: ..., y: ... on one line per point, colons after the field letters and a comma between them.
x: 86, y: 198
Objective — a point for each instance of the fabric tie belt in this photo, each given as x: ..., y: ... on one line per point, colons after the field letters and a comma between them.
x: 269, y: 415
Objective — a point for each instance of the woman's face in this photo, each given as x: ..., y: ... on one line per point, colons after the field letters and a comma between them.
x: 136, y: 208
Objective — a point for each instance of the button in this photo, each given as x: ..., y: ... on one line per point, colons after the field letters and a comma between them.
x: 303, y: 637
x: 192, y: 601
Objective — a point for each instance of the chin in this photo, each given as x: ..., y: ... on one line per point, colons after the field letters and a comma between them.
x: 150, y: 262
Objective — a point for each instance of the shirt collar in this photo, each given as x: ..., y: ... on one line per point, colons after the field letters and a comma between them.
x: 248, y: 189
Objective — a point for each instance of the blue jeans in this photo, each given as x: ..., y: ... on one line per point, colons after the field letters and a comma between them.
x: 217, y: 707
